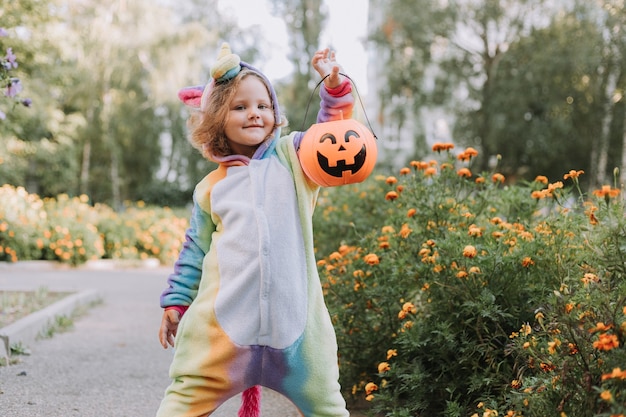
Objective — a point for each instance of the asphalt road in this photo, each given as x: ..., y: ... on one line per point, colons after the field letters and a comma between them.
x: 110, y: 364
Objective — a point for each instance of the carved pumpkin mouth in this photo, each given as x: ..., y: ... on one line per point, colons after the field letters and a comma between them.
x: 337, y: 170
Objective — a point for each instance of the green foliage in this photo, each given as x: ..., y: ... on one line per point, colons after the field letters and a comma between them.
x: 425, y: 303
x: 571, y: 356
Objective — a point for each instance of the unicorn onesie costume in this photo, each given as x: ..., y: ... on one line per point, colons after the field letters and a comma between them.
x: 246, y: 278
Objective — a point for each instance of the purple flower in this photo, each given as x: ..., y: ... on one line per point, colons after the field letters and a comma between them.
x: 10, y: 57
x: 13, y: 87
x: 27, y: 102
x: 2, y: 115
x: 3, y: 32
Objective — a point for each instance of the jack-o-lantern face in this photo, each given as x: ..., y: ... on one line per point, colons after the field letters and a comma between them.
x: 346, y: 154
x: 338, y: 152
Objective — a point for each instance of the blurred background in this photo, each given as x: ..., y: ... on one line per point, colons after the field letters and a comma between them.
x: 535, y: 86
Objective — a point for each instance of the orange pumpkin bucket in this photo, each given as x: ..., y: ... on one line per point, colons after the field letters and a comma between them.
x: 338, y: 152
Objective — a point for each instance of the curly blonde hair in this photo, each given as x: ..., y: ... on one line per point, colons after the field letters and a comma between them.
x: 207, y: 126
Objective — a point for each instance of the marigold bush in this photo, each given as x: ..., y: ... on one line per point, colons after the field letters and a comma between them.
x: 70, y: 230
x: 427, y: 296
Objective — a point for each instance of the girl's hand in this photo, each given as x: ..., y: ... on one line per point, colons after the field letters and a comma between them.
x: 169, y: 326
x: 324, y: 63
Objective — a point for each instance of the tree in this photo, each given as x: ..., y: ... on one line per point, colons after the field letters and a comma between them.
x: 36, y: 146
x: 612, y: 71
x: 546, y: 105
x: 305, y: 20
x: 406, y: 42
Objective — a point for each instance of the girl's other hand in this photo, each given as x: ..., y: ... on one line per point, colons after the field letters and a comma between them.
x: 169, y: 326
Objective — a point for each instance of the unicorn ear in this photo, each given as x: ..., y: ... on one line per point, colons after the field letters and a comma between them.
x: 191, y: 96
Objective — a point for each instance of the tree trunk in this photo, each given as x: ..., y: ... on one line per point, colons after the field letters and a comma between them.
x: 622, y: 172
x: 600, y: 152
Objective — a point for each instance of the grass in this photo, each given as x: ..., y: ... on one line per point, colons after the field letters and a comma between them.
x: 15, y: 305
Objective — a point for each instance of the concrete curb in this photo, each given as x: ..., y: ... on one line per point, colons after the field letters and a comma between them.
x: 28, y: 329
x: 97, y: 264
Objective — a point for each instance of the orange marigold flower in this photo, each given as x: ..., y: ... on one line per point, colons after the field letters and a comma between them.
x: 405, y: 231
x: 573, y: 174
x: 469, y: 251
x: 497, y: 177
x: 371, y: 259
x: 538, y: 195
x: 391, y: 180
x: 607, y: 192
x: 527, y: 261
x: 430, y: 171
x: 391, y: 195
x: 401, y: 314
x: 387, y: 229
x: 358, y: 273
x: 391, y: 353
x: 409, y: 308
x: 467, y: 154
x: 462, y: 274
x: 400, y: 188
x: 464, y: 172
x: 383, y: 367
x: 606, y: 342
x: 480, y: 180
x: 370, y: 387
x: 475, y: 231
x: 542, y: 179
x: 554, y: 186
x: 553, y: 345
x: 617, y: 374
x: 471, y: 151
x: 384, y: 245
x: 421, y: 165
x: 439, y: 147
x: 600, y: 327
x: 474, y: 270
x: 334, y: 256
x: 606, y: 395
x: 405, y: 171
x: 411, y: 212
x: 589, y: 278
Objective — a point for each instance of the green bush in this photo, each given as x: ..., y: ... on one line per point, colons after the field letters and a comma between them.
x: 571, y: 356
x: 22, y: 224
x: 70, y: 230
x: 425, y: 303
x: 71, y: 236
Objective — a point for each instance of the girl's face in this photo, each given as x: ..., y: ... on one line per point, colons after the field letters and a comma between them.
x: 250, y: 118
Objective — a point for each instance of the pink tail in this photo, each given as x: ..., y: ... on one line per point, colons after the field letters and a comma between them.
x: 251, y: 402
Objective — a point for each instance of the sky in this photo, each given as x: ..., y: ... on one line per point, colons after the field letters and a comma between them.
x: 346, y: 28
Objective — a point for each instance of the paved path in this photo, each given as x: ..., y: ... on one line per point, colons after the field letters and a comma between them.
x: 111, y: 363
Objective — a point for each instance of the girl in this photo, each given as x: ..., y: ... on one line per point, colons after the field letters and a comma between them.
x: 246, y: 279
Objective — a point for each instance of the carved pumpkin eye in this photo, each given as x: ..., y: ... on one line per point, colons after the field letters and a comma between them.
x: 338, y: 152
